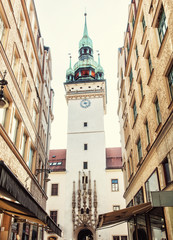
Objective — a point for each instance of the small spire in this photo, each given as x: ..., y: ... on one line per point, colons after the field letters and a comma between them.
x: 85, y: 33
x: 70, y: 59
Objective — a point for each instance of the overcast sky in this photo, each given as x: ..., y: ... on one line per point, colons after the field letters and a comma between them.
x: 61, y: 24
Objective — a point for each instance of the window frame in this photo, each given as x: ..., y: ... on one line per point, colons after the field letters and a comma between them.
x: 139, y: 149
x: 54, y: 189
x: 54, y: 215
x: 115, y: 186
x: 158, y: 112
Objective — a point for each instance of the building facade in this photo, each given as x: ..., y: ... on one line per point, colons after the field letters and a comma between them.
x: 25, y: 123
x: 145, y: 86
x: 89, y: 180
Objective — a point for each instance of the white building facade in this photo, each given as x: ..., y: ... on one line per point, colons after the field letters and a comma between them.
x: 85, y: 180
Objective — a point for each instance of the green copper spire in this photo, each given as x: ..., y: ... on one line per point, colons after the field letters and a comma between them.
x: 86, y: 40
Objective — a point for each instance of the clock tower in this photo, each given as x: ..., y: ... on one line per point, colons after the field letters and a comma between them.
x: 85, y: 88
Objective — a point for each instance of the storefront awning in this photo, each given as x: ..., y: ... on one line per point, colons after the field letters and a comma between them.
x: 27, y: 207
x: 122, y: 215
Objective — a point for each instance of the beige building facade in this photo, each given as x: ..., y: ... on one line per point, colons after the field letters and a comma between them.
x: 25, y: 124
x: 145, y: 86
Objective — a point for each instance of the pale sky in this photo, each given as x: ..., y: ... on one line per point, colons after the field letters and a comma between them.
x: 62, y: 24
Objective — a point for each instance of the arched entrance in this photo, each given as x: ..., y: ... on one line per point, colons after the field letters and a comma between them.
x: 85, y: 234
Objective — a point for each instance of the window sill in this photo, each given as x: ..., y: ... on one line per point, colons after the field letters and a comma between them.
x: 135, y: 121
x: 150, y: 77
x: 148, y: 147
x: 158, y: 127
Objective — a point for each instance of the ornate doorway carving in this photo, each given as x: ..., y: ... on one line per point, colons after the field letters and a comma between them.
x: 85, y: 234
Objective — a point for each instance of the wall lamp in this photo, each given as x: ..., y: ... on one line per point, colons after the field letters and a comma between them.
x: 3, y: 83
x: 46, y: 170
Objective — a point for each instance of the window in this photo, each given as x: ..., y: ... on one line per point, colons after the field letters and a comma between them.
x: 123, y: 237
x: 54, y: 190
x: 130, y: 166
x: 141, y: 88
x: 15, y: 62
x: 147, y: 132
x: 53, y: 215
x: 162, y: 25
x: 85, y: 165
x: 85, y: 146
x: 150, y: 63
x: 3, y: 28
x: 133, y: 21
x: 166, y: 169
x: 170, y: 82
x: 116, y: 238
x: 136, y: 50
x: 134, y: 111
x: 31, y: 156
x: 151, y: 185
x: 115, y: 186
x: 28, y: 96
x: 158, y: 114
x: 22, y: 80
x: 34, y: 116
x: 85, y: 124
x: 23, y: 143
x: 131, y: 76
x: 3, y: 112
x: 139, y: 197
x: 21, y: 24
x: 143, y: 24
x: 116, y: 207
x: 14, y: 129
x: 139, y: 147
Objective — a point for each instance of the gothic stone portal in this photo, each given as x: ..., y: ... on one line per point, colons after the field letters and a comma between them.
x: 85, y: 234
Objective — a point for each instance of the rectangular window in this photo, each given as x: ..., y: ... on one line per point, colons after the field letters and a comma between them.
x: 116, y: 238
x: 85, y: 165
x: 143, y: 24
x: 123, y: 237
x: 54, y: 190
x: 14, y: 129
x: 85, y: 124
x: 2, y: 116
x: 162, y: 25
x: 139, y: 147
x: 115, y: 185
x: 170, y: 82
x: 136, y: 49
x: 24, y: 138
x: 139, y: 197
x: 130, y: 166
x: 2, y: 28
x: 53, y: 215
x: 150, y: 64
x: 31, y: 155
x: 134, y: 111
x: 85, y: 146
x: 147, y: 132
x: 133, y: 21
x: 141, y: 88
x: 166, y: 169
x: 131, y: 76
x: 15, y: 62
x: 22, y: 80
x: 158, y: 114
x: 151, y: 185
x: 116, y: 207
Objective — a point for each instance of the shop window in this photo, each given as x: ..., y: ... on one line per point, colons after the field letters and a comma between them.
x: 162, y: 24
x: 158, y: 113
x: 170, y: 82
x: 166, y: 169
x: 139, y: 147
x: 26, y: 231
x: 115, y: 185
x: 116, y: 207
x: 34, y: 232
x: 151, y: 185
x: 139, y: 197
x: 54, y: 190
x: 53, y: 215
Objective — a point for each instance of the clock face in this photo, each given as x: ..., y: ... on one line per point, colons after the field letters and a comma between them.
x: 85, y: 103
